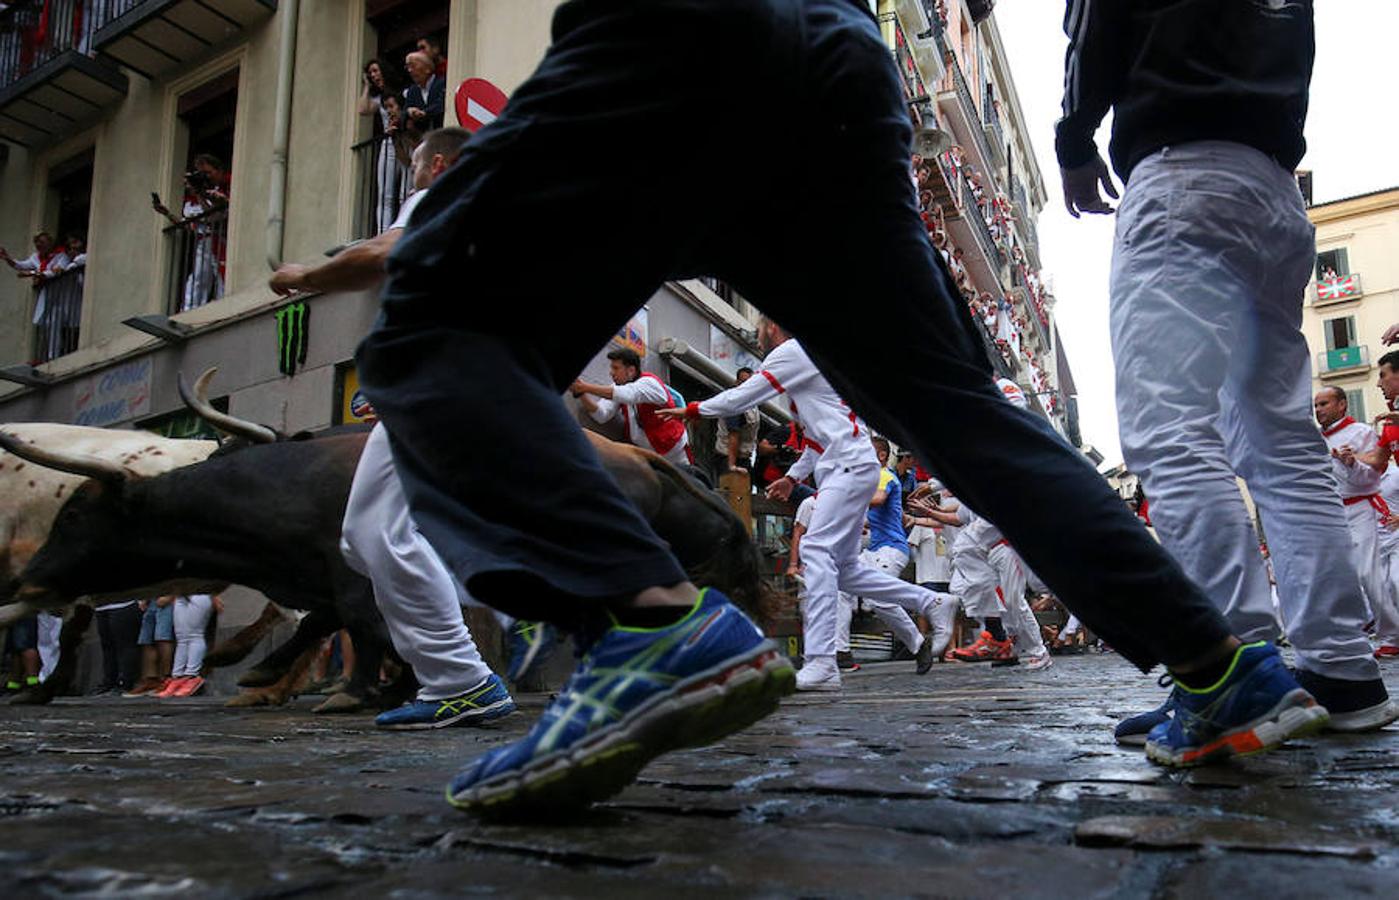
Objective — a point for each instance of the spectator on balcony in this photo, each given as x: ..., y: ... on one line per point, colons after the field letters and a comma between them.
x: 203, y: 214
x: 394, y: 148
x: 433, y: 48
x: 46, y: 262
x: 426, y: 98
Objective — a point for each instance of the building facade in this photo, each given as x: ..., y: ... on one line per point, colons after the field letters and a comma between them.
x: 1354, y: 295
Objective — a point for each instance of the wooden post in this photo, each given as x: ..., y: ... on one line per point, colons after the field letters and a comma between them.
x: 737, y: 489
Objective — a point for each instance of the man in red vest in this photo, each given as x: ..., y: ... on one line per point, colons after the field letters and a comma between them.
x: 635, y: 396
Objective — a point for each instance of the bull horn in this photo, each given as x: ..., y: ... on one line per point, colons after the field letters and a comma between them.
x: 198, y: 400
x: 82, y: 464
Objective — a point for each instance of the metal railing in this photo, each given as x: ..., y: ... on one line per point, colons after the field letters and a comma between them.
x: 29, y: 38
x: 1342, y: 359
x: 196, y: 251
x: 964, y: 94
x: 974, y: 214
x: 382, y: 183
x: 56, y: 324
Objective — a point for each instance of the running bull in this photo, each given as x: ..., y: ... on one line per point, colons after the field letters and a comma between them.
x: 267, y: 516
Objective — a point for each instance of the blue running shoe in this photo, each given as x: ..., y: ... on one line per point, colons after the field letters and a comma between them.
x: 530, y: 645
x: 1256, y: 706
x: 486, y: 702
x: 637, y: 693
x: 1132, y: 731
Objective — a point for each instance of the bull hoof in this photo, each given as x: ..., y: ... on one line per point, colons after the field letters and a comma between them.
x: 259, y: 677
x: 256, y: 698
x: 340, y: 703
x: 36, y: 696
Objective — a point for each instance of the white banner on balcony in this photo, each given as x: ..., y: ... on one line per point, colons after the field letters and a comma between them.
x: 115, y: 395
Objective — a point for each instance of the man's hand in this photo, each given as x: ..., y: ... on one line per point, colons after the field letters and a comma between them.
x: 1346, y: 455
x: 677, y: 412
x: 416, y: 112
x: 1081, y: 188
x: 794, y: 571
x: 289, y: 279
x: 1387, y: 417
x: 165, y: 601
x: 1391, y: 334
x: 781, y: 489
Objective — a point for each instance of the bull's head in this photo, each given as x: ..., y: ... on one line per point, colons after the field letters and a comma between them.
x: 88, y: 531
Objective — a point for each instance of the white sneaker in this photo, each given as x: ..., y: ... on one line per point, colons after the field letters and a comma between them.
x: 1035, y: 663
x: 820, y: 673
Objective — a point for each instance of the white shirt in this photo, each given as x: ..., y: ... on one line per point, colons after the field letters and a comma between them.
x: 1358, y: 480
x: 57, y: 263
x: 836, y: 437
x: 804, y: 510
x: 1012, y: 392
x: 931, y: 560
x: 1389, y: 490
x: 410, y: 203
x: 648, y: 390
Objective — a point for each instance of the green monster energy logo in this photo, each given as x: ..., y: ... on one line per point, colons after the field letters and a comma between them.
x: 293, y: 336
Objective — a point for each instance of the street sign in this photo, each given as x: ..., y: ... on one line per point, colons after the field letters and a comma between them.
x: 478, y: 103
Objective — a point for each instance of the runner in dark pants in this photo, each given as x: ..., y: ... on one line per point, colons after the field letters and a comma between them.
x: 671, y: 138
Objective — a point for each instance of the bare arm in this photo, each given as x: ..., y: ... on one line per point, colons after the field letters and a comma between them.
x: 794, y: 561
x: 359, y: 267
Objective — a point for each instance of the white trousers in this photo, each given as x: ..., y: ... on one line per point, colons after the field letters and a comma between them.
x: 942, y: 621
x: 1364, y: 521
x: 890, y: 561
x: 191, y: 615
x: 1389, y: 561
x: 974, y: 584
x: 50, y: 627
x: 1019, y: 617
x: 830, y: 556
x: 420, y: 600
x: 1212, y: 255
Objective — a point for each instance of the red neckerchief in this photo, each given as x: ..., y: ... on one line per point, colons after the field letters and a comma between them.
x: 1338, y: 426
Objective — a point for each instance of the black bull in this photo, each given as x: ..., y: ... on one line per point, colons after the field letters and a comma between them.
x: 268, y: 517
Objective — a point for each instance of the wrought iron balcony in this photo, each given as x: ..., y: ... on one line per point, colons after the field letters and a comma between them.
x: 995, y: 135
x: 1343, y: 361
x: 196, y: 251
x: 959, y: 107
x: 1337, y: 289
x: 382, y: 183
x: 153, y: 36
x: 56, y: 325
x: 51, y: 81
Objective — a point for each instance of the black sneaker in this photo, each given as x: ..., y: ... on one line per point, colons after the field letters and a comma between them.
x: 925, y: 659
x: 1355, y: 706
x: 901, y: 653
x: 845, y: 661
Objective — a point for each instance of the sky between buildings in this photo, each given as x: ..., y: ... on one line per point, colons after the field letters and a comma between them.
x: 1353, y: 147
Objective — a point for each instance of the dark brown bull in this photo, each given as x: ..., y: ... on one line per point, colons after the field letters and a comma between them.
x: 268, y: 516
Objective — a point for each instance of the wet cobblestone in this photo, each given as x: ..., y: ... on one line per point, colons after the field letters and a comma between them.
x: 969, y: 782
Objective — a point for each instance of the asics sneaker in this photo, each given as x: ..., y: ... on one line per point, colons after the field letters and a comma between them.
x: 637, y: 693
x: 986, y: 647
x: 1254, y: 707
x: 530, y: 645
x: 486, y: 702
x: 1132, y: 731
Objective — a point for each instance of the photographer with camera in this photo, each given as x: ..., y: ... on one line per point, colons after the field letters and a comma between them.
x: 205, y: 214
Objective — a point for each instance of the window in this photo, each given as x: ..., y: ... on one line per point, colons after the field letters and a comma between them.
x: 197, y: 236
x: 1340, y: 332
x: 1332, y: 262
x: 1355, y: 403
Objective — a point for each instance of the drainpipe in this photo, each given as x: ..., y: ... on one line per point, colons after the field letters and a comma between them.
x: 281, y: 132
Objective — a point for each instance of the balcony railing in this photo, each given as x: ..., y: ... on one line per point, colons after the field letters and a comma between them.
x: 382, y: 183
x: 995, y: 136
x: 1343, y: 359
x: 903, y: 57
x: 973, y: 116
x: 56, y: 324
x: 197, y: 251
x: 50, y: 84
x: 1337, y: 289
x: 973, y: 213
x: 28, y: 38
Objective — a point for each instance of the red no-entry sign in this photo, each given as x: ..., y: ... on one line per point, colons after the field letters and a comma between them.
x: 478, y: 103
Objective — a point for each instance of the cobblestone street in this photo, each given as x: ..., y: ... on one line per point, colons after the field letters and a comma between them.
x: 969, y: 782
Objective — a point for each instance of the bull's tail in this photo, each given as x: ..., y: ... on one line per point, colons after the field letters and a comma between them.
x: 736, y: 567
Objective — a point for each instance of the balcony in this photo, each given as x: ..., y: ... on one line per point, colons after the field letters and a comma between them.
x: 959, y: 108
x: 196, y: 251
x: 153, y: 36
x: 382, y: 183
x: 1337, y: 289
x: 1343, y: 361
x: 995, y: 136
x: 56, y: 325
x: 51, y: 84
x: 921, y: 28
